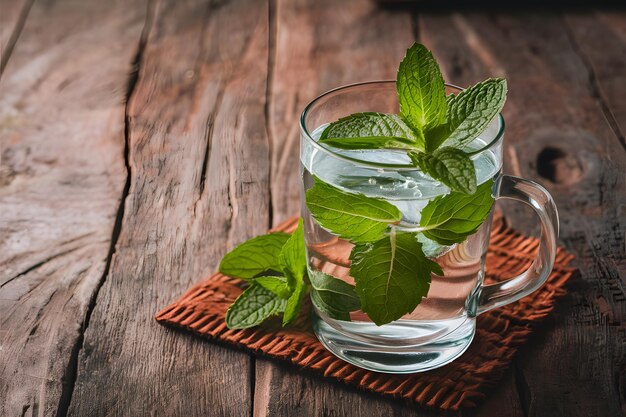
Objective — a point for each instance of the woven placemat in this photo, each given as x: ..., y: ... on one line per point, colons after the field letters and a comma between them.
x: 462, y: 383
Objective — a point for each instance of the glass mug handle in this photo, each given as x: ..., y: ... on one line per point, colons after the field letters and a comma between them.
x: 533, y: 194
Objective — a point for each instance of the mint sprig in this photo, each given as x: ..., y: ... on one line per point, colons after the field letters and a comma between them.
x: 390, y: 268
x: 268, y: 295
x: 428, y: 119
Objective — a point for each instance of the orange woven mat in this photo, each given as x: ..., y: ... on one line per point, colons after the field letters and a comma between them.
x: 459, y: 384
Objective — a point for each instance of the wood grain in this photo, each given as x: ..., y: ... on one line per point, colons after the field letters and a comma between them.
x: 199, y: 161
x: 585, y: 176
x: 61, y: 179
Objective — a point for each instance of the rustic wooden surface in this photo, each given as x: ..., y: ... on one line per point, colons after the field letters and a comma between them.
x: 141, y: 140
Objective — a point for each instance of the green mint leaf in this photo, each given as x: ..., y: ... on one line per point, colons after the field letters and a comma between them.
x: 371, y: 142
x: 294, y: 302
x: 392, y: 275
x: 354, y: 217
x: 450, y: 219
x: 292, y: 257
x: 470, y: 112
x: 328, y: 309
x: 254, y: 257
x: 451, y: 166
x: 332, y: 296
x: 371, y: 131
x: 277, y: 285
x: 252, y: 307
x: 421, y: 90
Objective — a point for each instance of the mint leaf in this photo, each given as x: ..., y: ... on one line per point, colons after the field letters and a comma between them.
x: 292, y: 257
x: 277, y: 285
x: 450, y: 219
x: 332, y: 296
x: 470, y: 112
x: 328, y: 309
x: 451, y: 166
x: 252, y: 307
x: 392, y: 275
x: 254, y: 257
x: 293, y: 303
x: 354, y: 217
x: 421, y: 90
x: 371, y: 131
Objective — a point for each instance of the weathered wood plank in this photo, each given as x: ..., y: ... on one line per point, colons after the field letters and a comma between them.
x: 557, y: 133
x: 199, y: 163
x: 61, y: 179
x: 601, y: 43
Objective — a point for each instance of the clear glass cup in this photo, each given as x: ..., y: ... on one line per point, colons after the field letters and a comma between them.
x: 443, y: 325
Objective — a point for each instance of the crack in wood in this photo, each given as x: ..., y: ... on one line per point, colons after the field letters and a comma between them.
x: 15, y: 35
x: 213, y: 115
x: 25, y: 409
x: 596, y: 91
x: 40, y: 313
x: 70, y: 374
x: 272, y: 34
x: 252, y: 376
x: 209, y: 140
x: 37, y: 266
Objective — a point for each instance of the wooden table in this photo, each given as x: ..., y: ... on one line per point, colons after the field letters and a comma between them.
x: 140, y: 140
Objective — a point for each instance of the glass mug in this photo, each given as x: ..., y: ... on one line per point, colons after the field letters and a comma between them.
x: 442, y: 326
